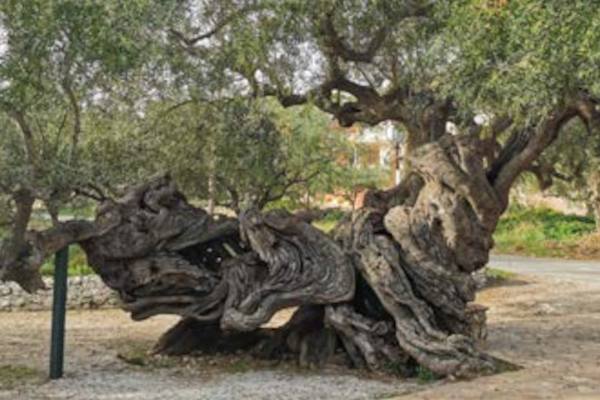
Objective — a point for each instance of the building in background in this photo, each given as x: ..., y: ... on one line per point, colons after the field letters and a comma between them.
x: 379, y: 145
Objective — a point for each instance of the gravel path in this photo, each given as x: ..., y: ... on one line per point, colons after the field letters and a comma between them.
x: 586, y: 272
x: 549, y: 327
x: 94, y: 370
x: 262, y: 385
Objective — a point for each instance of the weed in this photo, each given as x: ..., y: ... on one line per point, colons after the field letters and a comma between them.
x: 238, y: 367
x: 134, y: 356
x: 141, y: 357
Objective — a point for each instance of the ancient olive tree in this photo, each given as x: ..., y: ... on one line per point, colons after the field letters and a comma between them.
x: 392, y: 285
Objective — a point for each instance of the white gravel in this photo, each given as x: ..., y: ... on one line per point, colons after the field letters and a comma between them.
x: 262, y: 385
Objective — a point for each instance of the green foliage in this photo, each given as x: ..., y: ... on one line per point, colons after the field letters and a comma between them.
x: 425, y: 375
x: 522, y: 58
x: 105, y: 94
x: 286, y: 204
x: 498, y: 275
x: 334, y: 215
x: 78, y: 265
x: 256, y: 152
x: 63, y: 64
x: 574, y: 161
x: 13, y: 376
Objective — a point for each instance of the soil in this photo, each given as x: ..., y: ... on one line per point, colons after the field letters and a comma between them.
x: 549, y: 328
x: 107, y: 357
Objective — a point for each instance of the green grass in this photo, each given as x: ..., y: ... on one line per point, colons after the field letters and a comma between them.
x: 78, y: 265
x: 12, y: 376
x: 499, y: 274
x: 140, y: 356
x: 239, y: 367
x: 325, y: 226
x: 541, y: 232
x: 499, y: 277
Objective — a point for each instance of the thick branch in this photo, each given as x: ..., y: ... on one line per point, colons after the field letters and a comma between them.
x: 19, y: 119
x: 526, y: 146
x: 218, y: 26
x: 76, y: 133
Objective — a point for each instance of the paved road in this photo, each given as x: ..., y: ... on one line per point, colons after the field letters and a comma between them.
x: 581, y: 271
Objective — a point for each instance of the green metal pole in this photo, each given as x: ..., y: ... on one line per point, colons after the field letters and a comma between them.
x: 57, y: 348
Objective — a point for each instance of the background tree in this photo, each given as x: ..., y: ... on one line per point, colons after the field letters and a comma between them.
x: 58, y: 61
x: 255, y: 152
x: 570, y: 168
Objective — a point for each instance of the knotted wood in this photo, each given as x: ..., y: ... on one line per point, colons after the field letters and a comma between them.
x: 391, y: 286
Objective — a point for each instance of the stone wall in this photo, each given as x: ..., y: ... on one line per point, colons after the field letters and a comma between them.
x: 85, y: 292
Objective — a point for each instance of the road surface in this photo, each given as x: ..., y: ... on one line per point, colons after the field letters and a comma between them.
x: 581, y: 271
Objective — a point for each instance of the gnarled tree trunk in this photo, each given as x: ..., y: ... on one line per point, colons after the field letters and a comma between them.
x: 391, y: 286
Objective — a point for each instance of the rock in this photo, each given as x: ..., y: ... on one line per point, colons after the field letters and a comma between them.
x: 546, y: 309
x: 20, y: 302
x: 5, y: 305
x: 5, y: 290
x: 481, y: 278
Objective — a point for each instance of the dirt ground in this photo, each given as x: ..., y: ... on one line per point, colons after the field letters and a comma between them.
x: 550, y: 328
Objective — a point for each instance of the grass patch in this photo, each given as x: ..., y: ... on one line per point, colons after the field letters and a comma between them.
x: 12, y: 376
x: 325, y: 226
x: 239, y: 367
x: 141, y: 357
x: 503, y: 366
x: 134, y: 356
x: 496, y: 274
x: 425, y: 375
x: 541, y: 232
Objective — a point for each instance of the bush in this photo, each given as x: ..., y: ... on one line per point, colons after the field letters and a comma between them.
x: 544, y: 223
x: 541, y: 232
x: 78, y: 265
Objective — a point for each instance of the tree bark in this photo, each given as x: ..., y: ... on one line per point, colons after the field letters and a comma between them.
x: 391, y: 286
x: 16, y: 248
